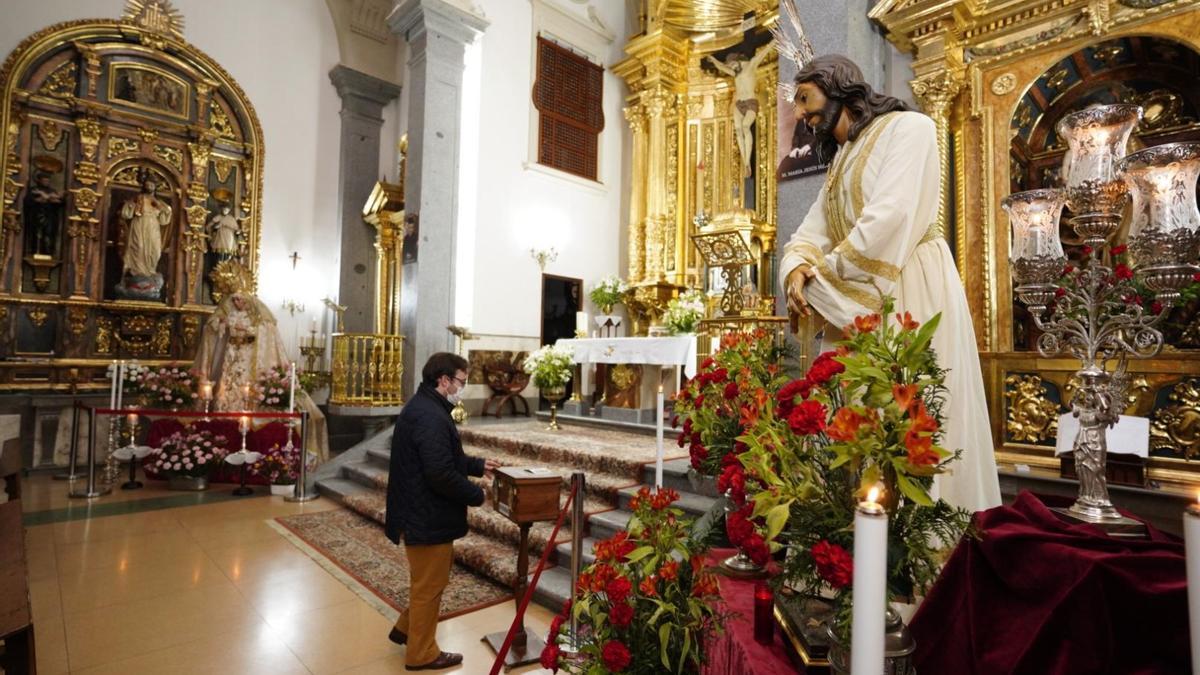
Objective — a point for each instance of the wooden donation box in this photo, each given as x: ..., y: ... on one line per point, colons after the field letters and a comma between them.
x: 524, y: 495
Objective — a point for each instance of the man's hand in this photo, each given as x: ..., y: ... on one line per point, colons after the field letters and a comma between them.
x: 490, y: 465
x: 794, y: 286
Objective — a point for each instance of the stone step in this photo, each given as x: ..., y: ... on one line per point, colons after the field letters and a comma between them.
x: 554, y: 587
x: 563, y: 552
x: 606, y: 524
x: 675, y: 476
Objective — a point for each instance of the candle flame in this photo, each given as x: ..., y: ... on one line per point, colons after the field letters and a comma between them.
x: 873, y: 495
x: 1198, y: 497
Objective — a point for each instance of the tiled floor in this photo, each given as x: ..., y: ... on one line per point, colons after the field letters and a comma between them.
x: 206, y: 588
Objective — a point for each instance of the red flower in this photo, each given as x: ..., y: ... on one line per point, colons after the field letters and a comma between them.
x: 907, y: 322
x: 731, y: 391
x: 919, y: 439
x: 615, y: 656
x: 1118, y: 250
x: 618, y: 589
x: 731, y: 458
x: 846, y: 423
x: 1156, y: 307
x: 1196, y: 277
x: 1059, y: 292
x: 733, y: 479
x: 555, y: 625
x: 834, y: 564
x: 698, y: 454
x: 648, y: 587
x: 807, y: 418
x: 669, y: 570
x: 1068, y: 269
x: 697, y: 564
x: 866, y: 324
x: 621, y: 614
x: 1087, y: 250
x: 1122, y: 271
x: 738, y: 526
x: 662, y: 499
x: 823, y: 368
x: 706, y: 585
x: 904, y: 394
x: 719, y: 375
x: 708, y: 363
x: 614, y: 549
x: 549, y: 658
x: 756, y: 547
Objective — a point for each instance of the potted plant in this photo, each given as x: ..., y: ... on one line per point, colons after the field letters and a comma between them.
x: 607, y: 293
x: 744, y: 369
x: 648, y: 604
x: 187, y: 458
x: 166, y: 387
x: 866, y: 415
x: 550, y: 368
x: 683, y: 314
x: 278, y: 466
x: 273, y: 387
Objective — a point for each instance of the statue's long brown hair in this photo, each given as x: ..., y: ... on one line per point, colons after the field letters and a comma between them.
x: 842, y: 80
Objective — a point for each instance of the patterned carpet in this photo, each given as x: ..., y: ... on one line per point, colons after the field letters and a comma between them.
x: 357, y: 547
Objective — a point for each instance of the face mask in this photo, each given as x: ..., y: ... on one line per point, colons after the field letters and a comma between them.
x: 456, y: 397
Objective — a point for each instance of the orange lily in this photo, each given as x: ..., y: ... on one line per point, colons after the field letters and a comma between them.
x: 907, y: 322
x: 904, y: 394
x: 846, y: 423
x: 866, y: 324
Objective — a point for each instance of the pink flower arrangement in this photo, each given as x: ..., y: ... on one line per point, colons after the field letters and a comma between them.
x: 166, y: 387
x: 274, y: 387
x: 278, y: 465
x: 188, y: 454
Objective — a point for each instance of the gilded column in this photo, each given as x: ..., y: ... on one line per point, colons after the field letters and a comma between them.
x: 636, y: 116
x: 936, y: 93
x: 660, y: 111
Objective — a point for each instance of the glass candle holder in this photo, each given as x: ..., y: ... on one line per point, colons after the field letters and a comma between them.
x: 1035, y: 250
x: 1096, y: 139
x: 764, y: 614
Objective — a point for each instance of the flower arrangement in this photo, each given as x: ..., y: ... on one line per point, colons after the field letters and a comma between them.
x: 607, y: 292
x: 717, y: 404
x: 164, y: 387
x: 683, y: 314
x: 550, y: 366
x: 278, y: 465
x: 188, y: 454
x: 647, y: 605
x: 273, y: 387
x: 867, y: 414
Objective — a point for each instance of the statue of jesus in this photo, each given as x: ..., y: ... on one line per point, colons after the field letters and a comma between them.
x: 745, y: 98
x: 874, y: 231
x: 147, y: 216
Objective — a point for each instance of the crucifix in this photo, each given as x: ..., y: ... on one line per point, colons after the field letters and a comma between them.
x: 295, y: 256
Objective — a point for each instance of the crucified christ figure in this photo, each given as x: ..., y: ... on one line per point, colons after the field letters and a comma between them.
x: 745, y: 101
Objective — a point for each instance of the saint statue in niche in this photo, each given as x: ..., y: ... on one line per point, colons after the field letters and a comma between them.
x: 146, y: 218
x: 223, y: 233
x: 745, y: 99
x: 43, y: 216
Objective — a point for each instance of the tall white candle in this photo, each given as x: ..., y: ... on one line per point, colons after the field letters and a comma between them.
x: 581, y: 324
x: 1191, y: 540
x: 658, y: 433
x: 870, y: 587
x: 120, y: 383
x: 292, y: 394
x: 112, y: 392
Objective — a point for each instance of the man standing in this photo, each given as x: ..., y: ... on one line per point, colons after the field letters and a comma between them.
x: 874, y: 231
x: 427, y: 500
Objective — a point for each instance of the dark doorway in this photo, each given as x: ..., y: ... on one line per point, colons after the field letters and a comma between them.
x: 562, y: 297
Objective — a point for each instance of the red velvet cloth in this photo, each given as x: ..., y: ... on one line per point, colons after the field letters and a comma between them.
x: 735, y: 652
x: 260, y: 439
x: 1037, y: 595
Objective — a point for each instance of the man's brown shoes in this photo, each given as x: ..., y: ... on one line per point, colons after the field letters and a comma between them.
x: 444, y: 660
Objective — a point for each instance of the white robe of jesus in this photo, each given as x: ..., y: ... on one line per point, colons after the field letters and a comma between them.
x: 873, y: 231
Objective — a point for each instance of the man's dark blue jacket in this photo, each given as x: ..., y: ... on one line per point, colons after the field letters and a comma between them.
x: 428, y: 491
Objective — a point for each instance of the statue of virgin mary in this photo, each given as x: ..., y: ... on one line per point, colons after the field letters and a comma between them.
x: 240, y: 340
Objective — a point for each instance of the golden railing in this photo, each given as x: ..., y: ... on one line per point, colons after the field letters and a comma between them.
x: 367, y: 369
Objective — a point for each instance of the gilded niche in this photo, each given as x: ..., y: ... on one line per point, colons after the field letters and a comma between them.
x: 1032, y: 418
x: 1176, y: 427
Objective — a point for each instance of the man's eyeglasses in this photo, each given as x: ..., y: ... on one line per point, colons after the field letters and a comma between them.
x: 461, y: 383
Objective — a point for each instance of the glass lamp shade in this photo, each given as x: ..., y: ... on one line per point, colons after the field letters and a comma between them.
x: 1035, y: 250
x: 1164, y: 180
x: 1096, y: 139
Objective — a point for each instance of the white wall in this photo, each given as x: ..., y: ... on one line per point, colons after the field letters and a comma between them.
x: 518, y: 206
x: 280, y: 52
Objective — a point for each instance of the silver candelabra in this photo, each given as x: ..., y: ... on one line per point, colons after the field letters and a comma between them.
x: 1095, y: 313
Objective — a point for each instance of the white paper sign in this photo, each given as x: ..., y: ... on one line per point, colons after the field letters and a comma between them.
x: 1130, y: 435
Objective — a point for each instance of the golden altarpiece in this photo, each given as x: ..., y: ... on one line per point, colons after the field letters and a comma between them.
x: 690, y: 173
x: 132, y: 169
x: 996, y: 77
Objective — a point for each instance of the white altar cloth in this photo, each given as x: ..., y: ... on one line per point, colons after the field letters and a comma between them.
x: 660, y: 351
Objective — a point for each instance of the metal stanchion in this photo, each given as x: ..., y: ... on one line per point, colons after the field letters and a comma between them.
x: 91, y: 490
x: 73, y: 457
x: 573, y: 643
x: 301, y: 493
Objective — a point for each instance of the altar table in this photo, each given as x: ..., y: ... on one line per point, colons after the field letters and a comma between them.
x: 664, y: 352
x: 1034, y: 594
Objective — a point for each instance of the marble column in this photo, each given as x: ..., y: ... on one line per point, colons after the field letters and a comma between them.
x: 363, y: 98
x: 438, y: 33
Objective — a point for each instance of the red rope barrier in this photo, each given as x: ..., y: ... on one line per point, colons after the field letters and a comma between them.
x: 520, y: 618
x: 152, y: 412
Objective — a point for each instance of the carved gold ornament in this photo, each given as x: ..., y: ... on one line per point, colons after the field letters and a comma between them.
x: 162, y: 337
x: 229, y: 277
x: 77, y: 320
x: 1031, y: 417
x: 155, y: 16
x: 61, y: 83
x: 623, y: 376
x: 104, y: 335
x: 118, y: 145
x: 219, y: 122
x: 191, y: 329
x: 148, y: 135
x: 1004, y: 84
x: 170, y: 155
x: 50, y: 133
x: 1176, y: 427
x: 38, y: 315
